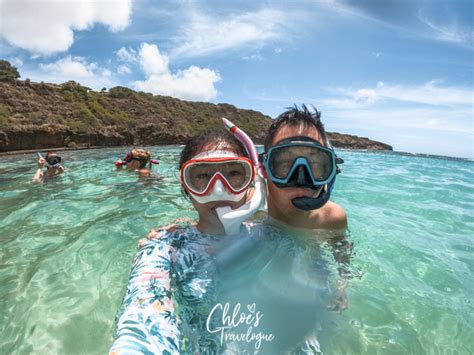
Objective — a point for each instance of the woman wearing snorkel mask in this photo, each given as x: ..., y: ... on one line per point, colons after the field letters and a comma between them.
x: 53, y: 167
x: 172, y: 283
x: 138, y: 160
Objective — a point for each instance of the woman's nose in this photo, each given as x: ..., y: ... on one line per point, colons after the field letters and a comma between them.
x: 219, y: 188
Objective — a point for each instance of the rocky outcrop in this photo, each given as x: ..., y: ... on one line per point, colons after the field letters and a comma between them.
x: 41, y: 116
x: 348, y: 141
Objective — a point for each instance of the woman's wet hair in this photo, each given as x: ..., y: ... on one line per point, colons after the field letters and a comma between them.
x: 217, y: 140
x: 142, y: 155
x: 295, y: 116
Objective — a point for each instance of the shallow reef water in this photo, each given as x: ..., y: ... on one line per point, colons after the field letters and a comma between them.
x: 67, y: 246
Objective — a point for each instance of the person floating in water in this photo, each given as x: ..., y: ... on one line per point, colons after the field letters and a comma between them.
x: 53, y: 167
x: 301, y: 169
x: 172, y: 283
x: 138, y: 160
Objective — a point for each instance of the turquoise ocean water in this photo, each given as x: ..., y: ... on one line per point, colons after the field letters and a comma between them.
x: 67, y: 245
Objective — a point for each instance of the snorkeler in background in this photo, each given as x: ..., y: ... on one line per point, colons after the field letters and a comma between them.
x: 176, y: 265
x: 53, y: 167
x: 138, y: 160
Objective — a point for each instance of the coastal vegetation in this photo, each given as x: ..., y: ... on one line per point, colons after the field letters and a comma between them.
x: 44, y: 115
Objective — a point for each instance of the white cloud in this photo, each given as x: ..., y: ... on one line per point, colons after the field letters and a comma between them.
x: 407, y: 18
x: 256, y: 57
x: 70, y: 67
x: 47, y: 26
x: 439, y: 115
x: 447, y: 32
x: 431, y: 130
x: 152, y: 61
x: 205, y: 34
x: 77, y: 69
x: 430, y: 93
x: 124, y: 70
x: 127, y: 55
x: 194, y: 83
x: 426, y: 118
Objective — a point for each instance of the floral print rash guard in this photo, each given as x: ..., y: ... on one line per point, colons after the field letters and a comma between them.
x: 178, y: 275
x: 170, y: 290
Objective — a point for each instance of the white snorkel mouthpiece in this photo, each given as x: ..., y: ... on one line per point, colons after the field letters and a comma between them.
x: 232, y: 219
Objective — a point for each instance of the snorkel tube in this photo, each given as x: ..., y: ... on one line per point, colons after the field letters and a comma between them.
x: 313, y: 203
x: 233, y: 219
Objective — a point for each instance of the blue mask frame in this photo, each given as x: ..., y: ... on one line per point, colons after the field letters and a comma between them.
x: 300, y: 162
x: 304, y: 177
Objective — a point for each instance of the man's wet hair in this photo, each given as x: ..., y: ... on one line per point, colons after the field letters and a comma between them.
x: 295, y: 116
x: 220, y: 140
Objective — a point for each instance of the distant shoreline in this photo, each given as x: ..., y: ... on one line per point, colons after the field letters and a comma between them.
x: 70, y: 115
x: 62, y: 149
x: 375, y: 151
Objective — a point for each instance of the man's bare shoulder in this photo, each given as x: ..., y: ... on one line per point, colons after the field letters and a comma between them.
x: 331, y: 216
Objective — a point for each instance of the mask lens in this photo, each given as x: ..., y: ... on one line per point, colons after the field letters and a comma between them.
x: 54, y: 160
x: 198, y: 175
x: 237, y: 174
x: 281, y: 160
x: 321, y: 164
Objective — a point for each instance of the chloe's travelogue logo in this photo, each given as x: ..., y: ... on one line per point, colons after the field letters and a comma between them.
x: 225, y: 321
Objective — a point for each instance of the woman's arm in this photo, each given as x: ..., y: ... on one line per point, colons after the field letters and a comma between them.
x: 39, y: 172
x: 148, y: 323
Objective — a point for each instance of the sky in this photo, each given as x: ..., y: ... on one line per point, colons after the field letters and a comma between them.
x: 397, y: 71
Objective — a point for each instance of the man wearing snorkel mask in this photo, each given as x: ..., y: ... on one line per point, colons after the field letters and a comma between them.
x: 53, y: 167
x: 301, y: 169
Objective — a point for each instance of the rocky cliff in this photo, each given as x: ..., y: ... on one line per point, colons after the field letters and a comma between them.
x: 41, y: 115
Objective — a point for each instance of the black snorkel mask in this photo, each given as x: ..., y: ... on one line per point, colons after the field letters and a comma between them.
x: 303, y: 162
x: 54, y: 161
